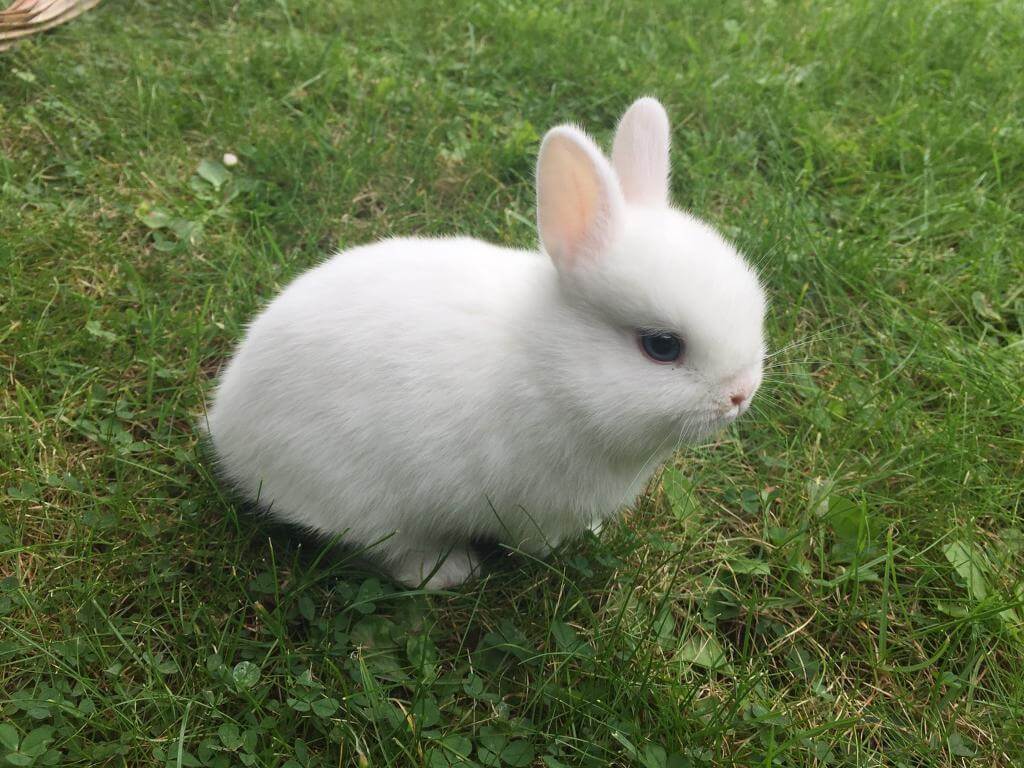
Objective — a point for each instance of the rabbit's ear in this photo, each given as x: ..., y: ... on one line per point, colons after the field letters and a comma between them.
x: 579, y: 202
x: 640, y: 153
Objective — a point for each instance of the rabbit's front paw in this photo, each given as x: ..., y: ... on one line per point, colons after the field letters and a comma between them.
x: 435, y: 569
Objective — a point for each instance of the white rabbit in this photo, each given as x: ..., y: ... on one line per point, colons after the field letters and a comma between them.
x: 416, y: 394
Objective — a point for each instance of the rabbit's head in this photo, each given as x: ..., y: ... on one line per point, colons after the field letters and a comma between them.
x: 661, y: 330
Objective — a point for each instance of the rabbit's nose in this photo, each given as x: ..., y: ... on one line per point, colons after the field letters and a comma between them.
x: 737, y: 398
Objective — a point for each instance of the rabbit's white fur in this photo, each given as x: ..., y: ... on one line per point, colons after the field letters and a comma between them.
x: 417, y: 393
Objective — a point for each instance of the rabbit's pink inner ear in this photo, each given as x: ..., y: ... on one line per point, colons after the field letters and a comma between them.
x: 579, y: 203
x: 640, y: 153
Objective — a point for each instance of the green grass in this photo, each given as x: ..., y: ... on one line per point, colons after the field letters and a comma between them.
x: 837, y: 581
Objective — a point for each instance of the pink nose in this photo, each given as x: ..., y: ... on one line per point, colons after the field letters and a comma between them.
x: 737, y: 398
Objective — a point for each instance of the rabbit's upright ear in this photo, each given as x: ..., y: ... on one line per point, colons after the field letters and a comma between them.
x: 640, y: 153
x: 579, y: 201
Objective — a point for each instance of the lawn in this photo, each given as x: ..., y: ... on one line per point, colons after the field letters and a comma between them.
x: 836, y: 581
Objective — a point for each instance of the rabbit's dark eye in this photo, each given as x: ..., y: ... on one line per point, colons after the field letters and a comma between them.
x: 660, y: 346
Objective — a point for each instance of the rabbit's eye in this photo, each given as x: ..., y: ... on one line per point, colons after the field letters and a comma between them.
x: 660, y: 346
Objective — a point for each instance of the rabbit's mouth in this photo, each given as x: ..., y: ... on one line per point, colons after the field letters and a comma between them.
x: 723, y: 416
x: 733, y: 412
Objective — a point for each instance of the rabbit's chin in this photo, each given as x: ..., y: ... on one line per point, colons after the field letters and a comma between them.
x: 700, y: 426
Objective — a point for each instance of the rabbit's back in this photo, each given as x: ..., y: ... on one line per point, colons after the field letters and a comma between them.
x: 390, y: 375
